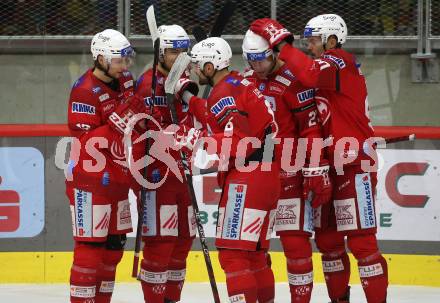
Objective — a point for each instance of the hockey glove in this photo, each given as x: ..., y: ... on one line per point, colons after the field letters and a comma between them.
x: 272, y: 31
x: 317, y: 185
x: 119, y: 119
x: 185, y: 84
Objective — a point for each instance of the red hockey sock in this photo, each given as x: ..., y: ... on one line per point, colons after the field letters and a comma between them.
x: 177, y: 269
x: 260, y: 263
x: 105, y: 281
x: 298, y: 252
x: 373, y: 269
x: 153, y: 273
x: 240, y: 280
x: 336, y: 269
x: 86, y: 261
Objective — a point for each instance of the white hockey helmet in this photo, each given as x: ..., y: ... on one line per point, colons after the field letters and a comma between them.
x: 111, y: 44
x: 172, y: 36
x: 255, y: 47
x: 325, y: 26
x: 213, y: 50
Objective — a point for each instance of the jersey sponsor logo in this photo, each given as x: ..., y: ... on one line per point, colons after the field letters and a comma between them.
x: 300, y: 279
x: 345, y: 211
x: 262, y: 87
x: 289, y: 74
x: 234, y: 211
x: 126, y: 74
x: 124, y: 215
x: 338, y: 61
x: 168, y: 220
x: 252, y: 224
x: 107, y: 286
x: 108, y: 107
x: 272, y: 102
x: 258, y: 93
x: 128, y: 83
x: 83, y: 126
x: 370, y: 270
x: 82, y: 291
x: 233, y: 81
x: 104, y: 223
x: 287, y: 215
x: 83, y: 213
x: 221, y: 104
x: 82, y: 108
x: 104, y: 97
x: 332, y: 266
x: 96, y: 89
x: 149, y: 217
x: 306, y: 95
x: 365, y: 201
x: 248, y: 73
x: 283, y: 80
x: 237, y: 299
x: 158, y: 101
x: 275, y: 88
x: 176, y: 275
x: 245, y: 82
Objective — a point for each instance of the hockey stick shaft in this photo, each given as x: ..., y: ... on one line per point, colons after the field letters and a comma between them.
x: 192, y: 194
x: 411, y: 137
x: 151, y: 20
x: 174, y: 75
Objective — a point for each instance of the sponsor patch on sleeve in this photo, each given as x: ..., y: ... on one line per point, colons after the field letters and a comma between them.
x: 83, y: 108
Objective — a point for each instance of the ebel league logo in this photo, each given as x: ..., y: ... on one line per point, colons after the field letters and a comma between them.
x: 21, y: 192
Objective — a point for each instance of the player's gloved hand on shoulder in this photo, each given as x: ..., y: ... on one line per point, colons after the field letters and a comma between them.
x: 272, y: 31
x: 317, y: 184
x: 185, y: 84
x: 120, y: 118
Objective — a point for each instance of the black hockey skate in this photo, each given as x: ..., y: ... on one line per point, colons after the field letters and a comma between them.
x: 344, y: 299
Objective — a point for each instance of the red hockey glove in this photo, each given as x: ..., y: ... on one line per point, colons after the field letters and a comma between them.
x: 118, y: 120
x: 271, y: 30
x: 317, y: 185
x: 184, y: 137
x: 185, y: 84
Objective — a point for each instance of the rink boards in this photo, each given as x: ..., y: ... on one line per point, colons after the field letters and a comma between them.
x: 54, y: 267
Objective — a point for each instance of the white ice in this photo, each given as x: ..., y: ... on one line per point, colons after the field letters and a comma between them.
x: 201, y: 293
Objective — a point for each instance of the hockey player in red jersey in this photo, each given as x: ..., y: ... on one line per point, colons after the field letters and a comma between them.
x: 100, y: 105
x: 169, y: 223
x: 342, y: 102
x: 237, y: 111
x: 297, y: 117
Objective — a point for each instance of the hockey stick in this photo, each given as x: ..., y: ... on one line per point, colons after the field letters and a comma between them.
x: 175, y: 74
x: 217, y: 29
x: 381, y: 143
x: 154, y: 35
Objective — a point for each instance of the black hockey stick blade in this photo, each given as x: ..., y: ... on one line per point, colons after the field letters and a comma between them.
x: 223, y: 18
x: 199, y: 33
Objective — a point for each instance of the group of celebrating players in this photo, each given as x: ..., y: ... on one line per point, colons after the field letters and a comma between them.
x: 284, y: 95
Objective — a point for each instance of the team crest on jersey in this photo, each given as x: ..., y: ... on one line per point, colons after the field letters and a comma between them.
x: 245, y: 82
x: 262, y: 87
x: 222, y: 104
x: 158, y: 101
x: 82, y: 108
x: 338, y: 61
x: 306, y: 95
x: 96, y: 89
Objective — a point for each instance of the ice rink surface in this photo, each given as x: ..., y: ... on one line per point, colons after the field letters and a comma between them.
x: 201, y: 293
